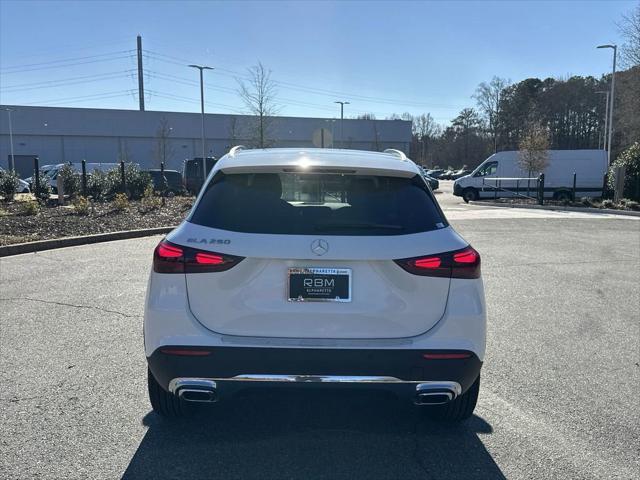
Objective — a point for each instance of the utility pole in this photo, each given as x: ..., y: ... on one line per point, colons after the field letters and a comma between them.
x: 342, y: 104
x: 606, y: 117
x: 204, y: 158
x: 12, y: 164
x: 140, y: 75
x: 612, y: 99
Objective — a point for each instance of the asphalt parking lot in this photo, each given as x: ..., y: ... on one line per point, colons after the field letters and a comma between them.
x: 560, y: 395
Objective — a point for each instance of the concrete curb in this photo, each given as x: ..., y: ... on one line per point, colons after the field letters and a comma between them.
x: 627, y: 213
x: 41, y: 245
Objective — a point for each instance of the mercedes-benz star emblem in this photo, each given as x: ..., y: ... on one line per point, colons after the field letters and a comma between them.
x: 319, y: 246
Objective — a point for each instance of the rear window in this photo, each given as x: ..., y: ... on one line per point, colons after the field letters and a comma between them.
x: 318, y: 204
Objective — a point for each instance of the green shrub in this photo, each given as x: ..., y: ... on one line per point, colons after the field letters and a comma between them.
x: 150, y: 201
x: 609, y: 204
x: 121, y: 202
x: 30, y: 208
x: 81, y: 205
x: 8, y: 184
x: 98, y: 186
x: 43, y: 189
x: 135, y: 180
x: 630, y: 159
x: 70, y: 180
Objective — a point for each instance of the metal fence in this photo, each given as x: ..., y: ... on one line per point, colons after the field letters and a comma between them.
x: 529, y: 188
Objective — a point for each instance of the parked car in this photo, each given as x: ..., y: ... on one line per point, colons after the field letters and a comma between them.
x: 446, y: 175
x: 257, y: 288
x: 173, y: 178
x: 433, y: 183
x: 459, y: 173
x: 192, y: 177
x: 589, y: 167
x: 435, y: 173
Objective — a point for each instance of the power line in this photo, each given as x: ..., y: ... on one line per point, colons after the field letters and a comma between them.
x: 104, y: 97
x: 73, y: 47
x: 185, y: 81
x: 47, y: 67
x: 66, y: 60
x: 67, y: 81
x: 294, y: 86
x: 83, y: 97
x: 171, y: 96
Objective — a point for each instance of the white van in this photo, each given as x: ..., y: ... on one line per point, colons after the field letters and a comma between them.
x: 500, y: 175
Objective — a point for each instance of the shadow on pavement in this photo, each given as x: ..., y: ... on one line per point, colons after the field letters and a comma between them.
x: 321, y: 434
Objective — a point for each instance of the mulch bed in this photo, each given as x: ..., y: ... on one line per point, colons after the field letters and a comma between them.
x: 57, y: 222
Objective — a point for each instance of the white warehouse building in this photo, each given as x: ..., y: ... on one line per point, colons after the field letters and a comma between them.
x: 59, y: 135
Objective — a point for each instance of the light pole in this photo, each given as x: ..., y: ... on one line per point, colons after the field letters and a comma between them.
x: 12, y: 165
x: 612, y: 99
x: 342, y: 104
x: 204, y: 158
x: 606, y: 116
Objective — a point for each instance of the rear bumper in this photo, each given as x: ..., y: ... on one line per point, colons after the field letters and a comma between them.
x: 236, y: 368
x: 457, y: 189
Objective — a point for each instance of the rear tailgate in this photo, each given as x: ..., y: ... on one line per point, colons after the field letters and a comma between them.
x: 252, y: 298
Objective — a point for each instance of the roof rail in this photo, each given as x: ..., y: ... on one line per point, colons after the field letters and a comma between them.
x: 236, y: 149
x: 398, y: 153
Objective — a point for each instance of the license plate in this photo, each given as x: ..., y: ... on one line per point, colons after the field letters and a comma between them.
x: 319, y: 285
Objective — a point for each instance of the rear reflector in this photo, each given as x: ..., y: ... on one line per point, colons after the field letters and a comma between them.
x: 185, y: 352
x: 446, y: 356
x: 463, y: 263
x: 171, y: 258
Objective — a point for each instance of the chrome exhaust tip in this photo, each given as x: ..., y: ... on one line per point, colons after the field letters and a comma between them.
x: 194, y: 389
x: 436, y: 393
x: 197, y: 395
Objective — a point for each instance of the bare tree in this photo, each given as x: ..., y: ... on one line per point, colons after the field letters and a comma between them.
x: 424, y: 130
x: 487, y: 97
x: 259, y: 95
x: 534, y: 149
x: 164, y: 150
x: 630, y: 30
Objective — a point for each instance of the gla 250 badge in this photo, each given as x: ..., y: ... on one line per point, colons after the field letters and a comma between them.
x: 209, y: 241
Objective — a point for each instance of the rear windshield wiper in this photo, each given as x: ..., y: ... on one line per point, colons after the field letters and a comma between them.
x: 359, y: 226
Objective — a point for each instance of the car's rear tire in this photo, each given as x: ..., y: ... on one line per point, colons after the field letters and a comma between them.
x: 458, y: 410
x: 164, y: 403
x: 469, y: 195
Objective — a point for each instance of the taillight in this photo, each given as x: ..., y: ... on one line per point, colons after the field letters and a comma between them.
x: 168, y: 258
x: 463, y: 263
x: 171, y: 258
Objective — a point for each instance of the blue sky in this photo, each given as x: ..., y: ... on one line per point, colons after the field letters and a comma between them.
x: 383, y: 57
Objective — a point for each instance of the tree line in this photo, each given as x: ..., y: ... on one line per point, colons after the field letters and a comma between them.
x: 571, y: 111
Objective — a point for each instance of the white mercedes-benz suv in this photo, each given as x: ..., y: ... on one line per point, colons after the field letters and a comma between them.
x: 315, y: 268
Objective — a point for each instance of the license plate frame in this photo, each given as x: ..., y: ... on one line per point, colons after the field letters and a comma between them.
x: 312, y: 293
